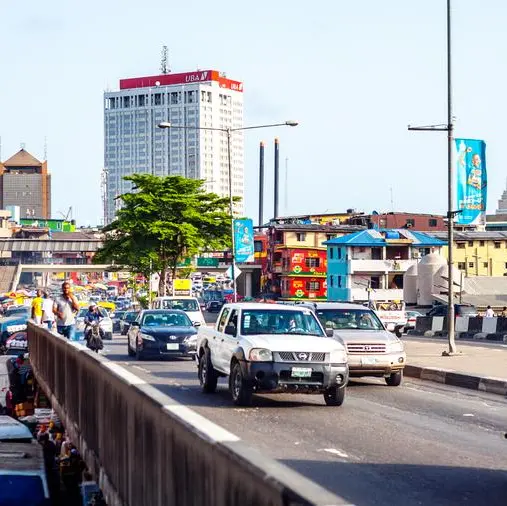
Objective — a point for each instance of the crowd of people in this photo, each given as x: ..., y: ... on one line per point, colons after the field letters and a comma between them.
x: 62, y: 312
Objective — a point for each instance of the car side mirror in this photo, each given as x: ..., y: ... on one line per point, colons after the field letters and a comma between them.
x: 329, y: 332
x: 134, y: 324
x: 230, y: 330
x: 197, y: 324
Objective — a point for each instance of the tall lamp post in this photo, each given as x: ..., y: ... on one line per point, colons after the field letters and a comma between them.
x: 449, y: 128
x: 229, y: 131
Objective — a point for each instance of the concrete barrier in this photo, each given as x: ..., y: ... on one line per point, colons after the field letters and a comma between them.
x: 145, y: 449
x: 490, y: 329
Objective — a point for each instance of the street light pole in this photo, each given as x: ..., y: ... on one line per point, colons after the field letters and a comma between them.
x: 231, y: 211
x: 450, y: 191
x: 449, y: 128
x: 228, y: 131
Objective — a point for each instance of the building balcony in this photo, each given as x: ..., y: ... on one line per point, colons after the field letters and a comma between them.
x: 382, y: 266
x: 361, y: 294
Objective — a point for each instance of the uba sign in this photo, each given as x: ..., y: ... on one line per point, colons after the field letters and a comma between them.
x: 199, y: 76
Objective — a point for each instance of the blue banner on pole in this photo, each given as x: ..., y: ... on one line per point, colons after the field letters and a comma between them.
x: 472, y: 181
x: 244, y: 240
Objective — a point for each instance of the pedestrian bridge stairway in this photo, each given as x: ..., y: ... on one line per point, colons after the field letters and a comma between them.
x: 7, y: 277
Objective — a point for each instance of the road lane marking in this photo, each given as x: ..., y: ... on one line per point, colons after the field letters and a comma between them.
x: 468, y: 414
x: 123, y: 373
x: 141, y: 368
x: 334, y: 451
x: 203, y: 425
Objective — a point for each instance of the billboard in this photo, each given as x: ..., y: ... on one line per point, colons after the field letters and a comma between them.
x: 243, y: 240
x: 472, y: 181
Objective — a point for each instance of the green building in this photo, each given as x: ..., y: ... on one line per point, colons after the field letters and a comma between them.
x: 53, y: 225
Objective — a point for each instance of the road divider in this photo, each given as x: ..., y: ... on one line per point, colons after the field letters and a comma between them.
x: 146, y: 449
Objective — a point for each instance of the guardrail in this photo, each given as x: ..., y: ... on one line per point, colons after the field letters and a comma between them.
x: 145, y: 449
x: 477, y: 327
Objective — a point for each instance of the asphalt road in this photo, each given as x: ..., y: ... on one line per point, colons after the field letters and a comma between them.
x: 421, y: 443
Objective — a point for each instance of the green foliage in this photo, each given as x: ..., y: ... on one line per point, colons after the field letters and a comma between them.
x: 164, y: 220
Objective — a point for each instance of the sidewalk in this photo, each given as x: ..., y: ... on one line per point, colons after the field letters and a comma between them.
x: 475, y: 367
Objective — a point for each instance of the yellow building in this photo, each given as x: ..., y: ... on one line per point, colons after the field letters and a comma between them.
x: 478, y: 253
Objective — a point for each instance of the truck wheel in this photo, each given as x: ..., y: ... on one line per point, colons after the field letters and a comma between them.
x: 241, y: 390
x: 394, y: 380
x: 208, y: 377
x: 334, y: 396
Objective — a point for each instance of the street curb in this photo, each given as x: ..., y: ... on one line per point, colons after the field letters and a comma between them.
x: 447, y: 377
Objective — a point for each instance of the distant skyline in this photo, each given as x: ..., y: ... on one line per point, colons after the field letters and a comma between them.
x: 354, y: 74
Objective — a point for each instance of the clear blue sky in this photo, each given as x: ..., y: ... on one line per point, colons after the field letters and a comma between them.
x: 353, y: 73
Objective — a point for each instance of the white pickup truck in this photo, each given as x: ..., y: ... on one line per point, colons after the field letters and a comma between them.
x: 271, y: 348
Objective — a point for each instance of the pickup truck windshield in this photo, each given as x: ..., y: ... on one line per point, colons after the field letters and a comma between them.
x: 361, y: 319
x: 183, y: 304
x: 273, y: 321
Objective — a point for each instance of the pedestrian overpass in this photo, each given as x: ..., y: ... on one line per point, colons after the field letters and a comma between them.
x: 244, y: 281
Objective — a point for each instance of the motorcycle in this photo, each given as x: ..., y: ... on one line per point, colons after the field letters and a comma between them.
x: 93, y: 336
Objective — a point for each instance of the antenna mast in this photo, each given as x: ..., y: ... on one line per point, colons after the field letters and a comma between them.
x: 164, y: 61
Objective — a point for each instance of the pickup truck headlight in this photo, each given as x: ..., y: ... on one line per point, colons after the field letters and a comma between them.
x: 260, y: 355
x: 338, y: 357
x: 147, y: 337
x: 395, y: 347
x: 191, y: 339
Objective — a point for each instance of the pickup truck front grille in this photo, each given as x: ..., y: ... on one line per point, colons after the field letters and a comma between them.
x: 300, y: 356
x: 366, y: 348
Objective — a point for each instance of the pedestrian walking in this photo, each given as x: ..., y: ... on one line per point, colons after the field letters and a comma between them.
x: 65, y: 309
x: 37, y: 307
x: 489, y: 312
x: 504, y: 312
x: 48, y: 317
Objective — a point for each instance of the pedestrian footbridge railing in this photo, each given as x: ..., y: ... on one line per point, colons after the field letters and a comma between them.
x: 145, y: 449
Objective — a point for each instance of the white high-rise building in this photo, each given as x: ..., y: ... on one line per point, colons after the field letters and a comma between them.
x: 135, y: 144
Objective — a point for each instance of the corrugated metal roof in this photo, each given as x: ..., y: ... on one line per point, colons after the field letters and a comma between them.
x: 316, y: 227
x: 374, y: 237
x: 491, y: 235
x: 27, y: 245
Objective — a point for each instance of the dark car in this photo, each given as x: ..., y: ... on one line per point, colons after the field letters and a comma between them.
x: 9, y: 325
x: 459, y: 310
x: 127, y: 319
x: 159, y: 333
x: 116, y: 317
x: 17, y: 310
x: 214, y: 306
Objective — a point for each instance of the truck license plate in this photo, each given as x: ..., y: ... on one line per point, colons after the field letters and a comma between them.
x: 368, y: 360
x: 173, y: 346
x: 301, y: 372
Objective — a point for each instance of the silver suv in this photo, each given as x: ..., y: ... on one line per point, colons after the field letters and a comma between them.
x: 371, y: 349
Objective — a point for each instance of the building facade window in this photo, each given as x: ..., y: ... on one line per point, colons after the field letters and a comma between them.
x: 313, y: 286
x: 481, y: 243
x: 432, y: 222
x: 461, y: 266
x: 339, y: 253
x: 331, y: 253
x: 300, y: 237
x: 312, y: 262
x: 461, y: 245
x: 339, y: 281
x: 486, y: 265
x: 331, y: 281
x: 470, y: 264
x: 471, y: 244
x: 410, y: 222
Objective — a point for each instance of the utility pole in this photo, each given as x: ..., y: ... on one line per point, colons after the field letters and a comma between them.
x: 449, y: 128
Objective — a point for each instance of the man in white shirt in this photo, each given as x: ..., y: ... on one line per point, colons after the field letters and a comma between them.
x: 48, y: 317
x: 489, y: 312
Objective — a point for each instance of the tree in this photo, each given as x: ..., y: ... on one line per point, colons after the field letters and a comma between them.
x: 163, y: 221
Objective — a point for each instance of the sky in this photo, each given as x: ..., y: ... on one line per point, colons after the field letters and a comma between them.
x: 354, y: 74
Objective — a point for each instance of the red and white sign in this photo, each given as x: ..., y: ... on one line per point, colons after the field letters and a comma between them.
x: 199, y: 76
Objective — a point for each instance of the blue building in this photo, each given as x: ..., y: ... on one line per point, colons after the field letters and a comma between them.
x: 373, y: 262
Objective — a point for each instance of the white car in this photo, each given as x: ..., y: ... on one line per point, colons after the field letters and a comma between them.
x: 371, y: 349
x: 106, y: 324
x: 271, y: 348
x: 188, y: 304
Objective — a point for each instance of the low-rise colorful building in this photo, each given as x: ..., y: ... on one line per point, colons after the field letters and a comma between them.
x: 370, y: 265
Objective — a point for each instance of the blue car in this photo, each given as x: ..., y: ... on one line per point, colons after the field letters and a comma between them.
x: 10, y: 325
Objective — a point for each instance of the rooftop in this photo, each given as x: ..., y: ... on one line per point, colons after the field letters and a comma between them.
x: 22, y: 159
x: 316, y: 227
x: 381, y: 238
x: 474, y: 235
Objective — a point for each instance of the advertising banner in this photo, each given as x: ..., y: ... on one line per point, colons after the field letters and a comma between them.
x: 471, y: 181
x: 182, y: 287
x: 244, y: 240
